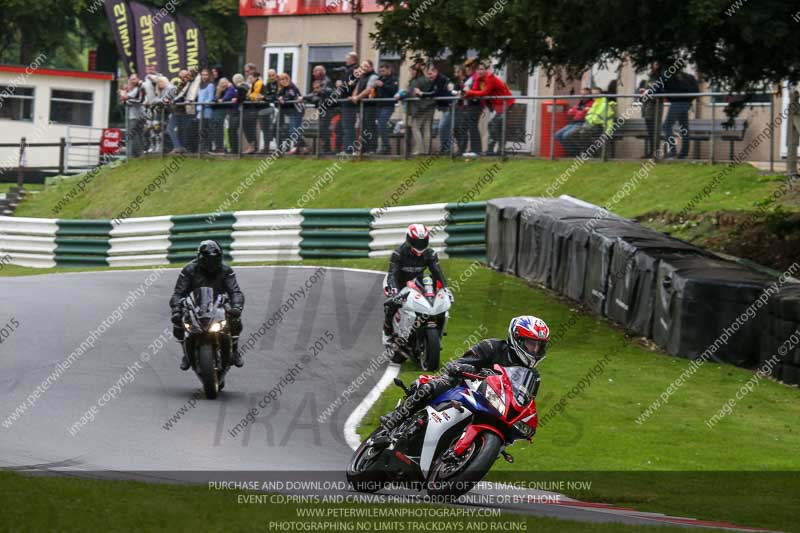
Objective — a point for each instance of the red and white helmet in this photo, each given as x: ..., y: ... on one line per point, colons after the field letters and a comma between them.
x: 528, y: 337
x: 417, y: 237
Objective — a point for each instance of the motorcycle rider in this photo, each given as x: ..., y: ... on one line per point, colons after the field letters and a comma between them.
x: 208, y: 270
x: 408, y: 262
x: 528, y: 337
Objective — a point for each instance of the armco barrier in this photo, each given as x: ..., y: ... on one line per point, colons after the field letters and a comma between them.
x: 681, y: 296
x: 245, y: 236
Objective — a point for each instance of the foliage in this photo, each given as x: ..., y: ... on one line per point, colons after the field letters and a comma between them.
x: 737, y: 43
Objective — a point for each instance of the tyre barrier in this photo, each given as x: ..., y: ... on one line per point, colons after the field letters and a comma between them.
x: 245, y: 236
x: 691, y: 302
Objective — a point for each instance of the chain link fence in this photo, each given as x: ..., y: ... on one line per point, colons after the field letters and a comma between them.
x: 601, y: 126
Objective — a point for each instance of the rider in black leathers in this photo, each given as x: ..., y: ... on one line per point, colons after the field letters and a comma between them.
x: 208, y: 270
x: 408, y: 262
x: 526, y: 346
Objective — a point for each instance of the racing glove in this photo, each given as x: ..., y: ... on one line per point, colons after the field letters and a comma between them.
x: 177, y: 318
x: 455, y: 370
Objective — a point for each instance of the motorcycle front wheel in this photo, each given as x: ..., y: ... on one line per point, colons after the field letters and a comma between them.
x: 362, y: 472
x: 453, y: 476
x: 433, y: 348
x: 207, y: 370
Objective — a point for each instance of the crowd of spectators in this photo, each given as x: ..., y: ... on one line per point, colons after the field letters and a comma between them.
x: 202, y: 110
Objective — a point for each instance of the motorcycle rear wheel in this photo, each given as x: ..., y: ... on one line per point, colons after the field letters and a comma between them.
x: 457, y: 476
x: 207, y: 370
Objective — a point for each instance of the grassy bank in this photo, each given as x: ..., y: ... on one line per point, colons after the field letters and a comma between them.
x: 198, y: 186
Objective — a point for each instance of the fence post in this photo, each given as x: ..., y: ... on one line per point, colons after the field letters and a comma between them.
x: 21, y: 163
x: 318, y: 140
x: 713, y: 130
x: 201, y: 135
x: 128, y: 140
x: 772, y: 134
x: 553, y: 129
x: 406, y: 131
x: 278, y: 125
x: 503, y: 132
x: 161, y: 133
x: 453, y: 108
x: 603, y: 131
x: 240, y: 130
x: 62, y: 155
x: 657, y: 132
x: 360, y: 129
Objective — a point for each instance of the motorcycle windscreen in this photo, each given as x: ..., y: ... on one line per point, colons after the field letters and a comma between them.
x: 204, y: 299
x: 524, y: 384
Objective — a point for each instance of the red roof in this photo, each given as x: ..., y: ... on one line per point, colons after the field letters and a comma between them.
x: 31, y: 71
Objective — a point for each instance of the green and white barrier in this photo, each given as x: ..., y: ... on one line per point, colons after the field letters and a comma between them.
x: 245, y: 236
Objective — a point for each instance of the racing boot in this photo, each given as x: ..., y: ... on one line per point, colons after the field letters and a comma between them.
x: 185, y: 363
x: 238, y: 360
x: 408, y: 406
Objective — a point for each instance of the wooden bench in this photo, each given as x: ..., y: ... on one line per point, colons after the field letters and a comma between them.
x: 700, y: 130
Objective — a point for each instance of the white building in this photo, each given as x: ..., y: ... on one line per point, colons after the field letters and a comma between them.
x: 43, y: 105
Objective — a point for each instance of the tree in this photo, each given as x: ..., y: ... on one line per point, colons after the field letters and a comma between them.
x: 738, y: 43
x: 34, y: 28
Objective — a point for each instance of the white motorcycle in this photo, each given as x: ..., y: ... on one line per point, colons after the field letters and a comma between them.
x: 419, y: 324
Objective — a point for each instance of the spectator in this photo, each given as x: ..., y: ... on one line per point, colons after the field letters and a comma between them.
x: 345, y: 88
x: 576, y: 114
x: 472, y: 111
x: 133, y: 98
x: 459, y: 115
x: 487, y: 85
x: 420, y: 111
x: 220, y: 113
x: 149, y: 84
x: 176, y: 126
x: 164, y: 96
x: 216, y: 75
x: 678, y: 113
x: 254, y: 97
x: 441, y: 88
x: 600, y: 117
x: 291, y: 101
x: 267, y: 115
x: 240, y: 90
x: 318, y: 73
x: 320, y: 97
x: 190, y: 133
x: 385, y: 88
x: 205, y: 96
x: 649, y: 109
x: 365, y: 90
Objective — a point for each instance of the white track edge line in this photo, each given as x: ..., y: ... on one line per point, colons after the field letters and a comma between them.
x: 361, y: 410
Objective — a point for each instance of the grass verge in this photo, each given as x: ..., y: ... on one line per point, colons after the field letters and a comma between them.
x: 201, y: 186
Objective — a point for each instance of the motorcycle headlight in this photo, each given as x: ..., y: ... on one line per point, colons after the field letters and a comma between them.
x: 495, y: 400
x: 524, y: 428
x: 216, y: 327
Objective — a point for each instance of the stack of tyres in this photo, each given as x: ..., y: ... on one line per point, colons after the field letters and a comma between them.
x: 781, y: 334
x: 631, y: 291
x: 502, y: 224
x: 704, y: 303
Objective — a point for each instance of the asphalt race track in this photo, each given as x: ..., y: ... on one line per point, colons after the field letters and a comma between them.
x: 130, y: 385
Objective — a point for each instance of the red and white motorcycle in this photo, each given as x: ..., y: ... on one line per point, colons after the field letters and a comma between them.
x: 419, y: 324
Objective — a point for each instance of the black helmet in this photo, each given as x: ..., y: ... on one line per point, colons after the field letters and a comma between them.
x: 209, y: 256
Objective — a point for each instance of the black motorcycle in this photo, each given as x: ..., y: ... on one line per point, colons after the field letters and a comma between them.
x: 208, y: 342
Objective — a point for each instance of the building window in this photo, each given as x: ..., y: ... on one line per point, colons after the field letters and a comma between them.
x: 71, y: 107
x: 16, y: 103
x: 330, y: 57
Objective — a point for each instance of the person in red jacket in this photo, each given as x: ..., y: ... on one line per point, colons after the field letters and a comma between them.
x: 486, y: 85
x: 576, y: 115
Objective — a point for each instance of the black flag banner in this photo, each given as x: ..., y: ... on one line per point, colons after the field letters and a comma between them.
x: 148, y: 35
x: 119, y: 15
